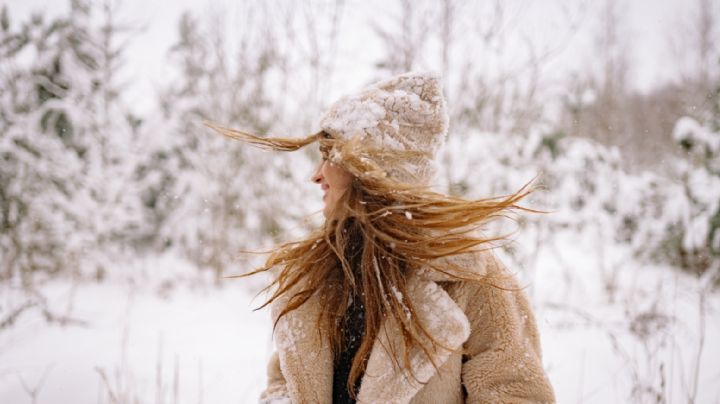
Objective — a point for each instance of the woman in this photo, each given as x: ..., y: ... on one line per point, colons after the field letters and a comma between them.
x: 398, y: 297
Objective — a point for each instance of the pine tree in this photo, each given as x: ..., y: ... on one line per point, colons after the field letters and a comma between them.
x: 65, y: 199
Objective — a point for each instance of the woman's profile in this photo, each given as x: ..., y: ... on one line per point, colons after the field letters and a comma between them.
x: 398, y: 297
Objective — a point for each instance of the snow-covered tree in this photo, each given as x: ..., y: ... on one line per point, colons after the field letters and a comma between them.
x: 212, y: 197
x: 67, y: 199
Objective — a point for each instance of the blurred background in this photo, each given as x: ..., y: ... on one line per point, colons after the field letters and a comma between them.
x: 121, y: 216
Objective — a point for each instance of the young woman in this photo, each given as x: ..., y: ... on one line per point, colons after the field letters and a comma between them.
x: 398, y: 298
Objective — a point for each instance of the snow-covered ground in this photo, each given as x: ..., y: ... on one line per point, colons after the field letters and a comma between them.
x: 145, y: 337
x: 615, y: 331
x: 612, y: 331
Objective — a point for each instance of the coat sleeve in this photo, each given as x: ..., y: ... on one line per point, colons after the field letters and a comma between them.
x: 276, y: 391
x: 502, y: 361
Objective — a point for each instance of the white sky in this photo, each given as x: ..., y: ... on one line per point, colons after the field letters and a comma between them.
x: 648, y: 22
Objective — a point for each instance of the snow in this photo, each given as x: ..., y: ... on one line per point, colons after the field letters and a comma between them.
x: 204, y: 340
x: 688, y: 129
x: 598, y: 349
x: 353, y: 115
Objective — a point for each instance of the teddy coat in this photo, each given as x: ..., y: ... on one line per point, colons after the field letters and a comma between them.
x: 490, y: 354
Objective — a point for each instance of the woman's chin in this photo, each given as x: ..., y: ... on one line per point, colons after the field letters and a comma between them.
x: 329, y: 210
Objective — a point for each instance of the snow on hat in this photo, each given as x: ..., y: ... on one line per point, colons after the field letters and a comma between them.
x: 403, y: 113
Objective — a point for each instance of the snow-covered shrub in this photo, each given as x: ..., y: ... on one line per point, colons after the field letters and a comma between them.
x: 662, y: 219
x: 586, y: 191
x: 675, y: 219
x: 699, y: 237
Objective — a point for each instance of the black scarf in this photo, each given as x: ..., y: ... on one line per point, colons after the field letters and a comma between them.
x: 353, y: 325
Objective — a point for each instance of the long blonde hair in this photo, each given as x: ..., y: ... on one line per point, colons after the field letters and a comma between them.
x: 401, y: 228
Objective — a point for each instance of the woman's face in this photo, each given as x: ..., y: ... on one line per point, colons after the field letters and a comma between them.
x: 334, y: 181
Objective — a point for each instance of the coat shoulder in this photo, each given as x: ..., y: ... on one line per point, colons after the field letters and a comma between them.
x: 502, y: 360
x: 493, y: 275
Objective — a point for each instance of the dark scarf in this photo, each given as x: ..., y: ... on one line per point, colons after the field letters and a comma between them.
x: 353, y: 326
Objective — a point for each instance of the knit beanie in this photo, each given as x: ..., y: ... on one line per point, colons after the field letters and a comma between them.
x: 403, y: 113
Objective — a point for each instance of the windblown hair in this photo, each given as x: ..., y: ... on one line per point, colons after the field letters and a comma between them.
x: 400, y: 228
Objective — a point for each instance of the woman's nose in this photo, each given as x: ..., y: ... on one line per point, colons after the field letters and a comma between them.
x: 317, y: 177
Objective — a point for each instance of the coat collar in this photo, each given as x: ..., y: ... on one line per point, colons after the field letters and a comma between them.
x: 306, y: 358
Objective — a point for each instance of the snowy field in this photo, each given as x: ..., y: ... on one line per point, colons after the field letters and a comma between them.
x: 161, y: 335
x: 140, y: 339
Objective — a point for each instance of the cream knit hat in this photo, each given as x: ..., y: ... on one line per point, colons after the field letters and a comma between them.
x: 403, y: 113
